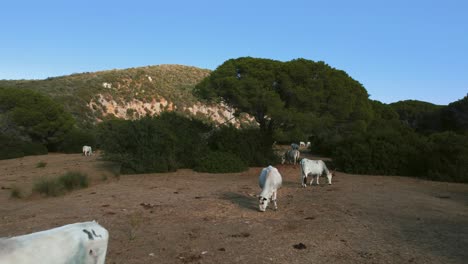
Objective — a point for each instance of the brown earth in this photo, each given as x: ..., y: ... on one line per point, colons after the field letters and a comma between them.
x: 189, y: 217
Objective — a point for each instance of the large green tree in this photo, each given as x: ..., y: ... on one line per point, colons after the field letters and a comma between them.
x: 32, y: 116
x: 296, y: 96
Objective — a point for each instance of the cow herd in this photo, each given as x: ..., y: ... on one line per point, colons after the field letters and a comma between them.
x: 86, y: 242
x: 270, y: 179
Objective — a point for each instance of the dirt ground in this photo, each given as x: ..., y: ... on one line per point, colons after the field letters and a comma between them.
x: 189, y: 217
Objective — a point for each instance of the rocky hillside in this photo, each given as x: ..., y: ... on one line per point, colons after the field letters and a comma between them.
x: 130, y: 94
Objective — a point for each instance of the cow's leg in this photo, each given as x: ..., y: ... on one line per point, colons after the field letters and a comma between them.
x: 318, y: 176
x: 304, y: 180
x: 273, y: 199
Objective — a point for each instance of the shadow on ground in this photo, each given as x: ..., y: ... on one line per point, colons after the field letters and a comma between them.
x: 242, y: 200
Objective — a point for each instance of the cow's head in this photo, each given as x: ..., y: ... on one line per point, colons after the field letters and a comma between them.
x: 262, y: 203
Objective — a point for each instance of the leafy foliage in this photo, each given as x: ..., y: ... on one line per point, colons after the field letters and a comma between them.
x: 172, y: 141
x: 140, y: 146
x: 74, y: 92
x: 220, y: 162
x: 75, y: 139
x: 290, y: 100
x: 454, y: 117
x: 33, y: 117
x: 13, y: 147
x: 58, y: 186
x: 248, y: 144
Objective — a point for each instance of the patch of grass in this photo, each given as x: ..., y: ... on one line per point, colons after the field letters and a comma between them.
x: 48, y: 187
x: 58, y: 186
x: 41, y: 164
x: 74, y: 180
x: 15, y: 192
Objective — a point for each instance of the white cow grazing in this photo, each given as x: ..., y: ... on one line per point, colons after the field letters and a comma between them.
x: 308, y: 144
x: 294, y: 146
x: 291, y: 156
x: 75, y: 243
x: 269, y: 181
x: 87, y: 150
x: 314, y: 168
x: 302, y: 144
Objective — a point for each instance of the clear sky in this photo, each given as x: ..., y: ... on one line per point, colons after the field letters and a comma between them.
x: 398, y: 49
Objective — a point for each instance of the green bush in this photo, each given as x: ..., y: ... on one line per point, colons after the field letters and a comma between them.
x: 41, y: 164
x: 250, y: 145
x: 15, y: 148
x: 48, y: 187
x: 15, y: 192
x: 74, y: 180
x: 58, y: 186
x: 447, y: 157
x: 75, y: 139
x: 220, y: 162
x: 140, y: 146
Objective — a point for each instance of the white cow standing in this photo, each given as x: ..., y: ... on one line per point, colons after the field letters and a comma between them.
x: 291, y: 156
x: 269, y: 181
x: 87, y: 150
x: 315, y: 168
x: 84, y: 243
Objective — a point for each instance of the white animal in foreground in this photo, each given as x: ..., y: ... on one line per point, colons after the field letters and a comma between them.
x: 291, y: 156
x: 269, y: 181
x: 87, y: 150
x: 84, y: 243
x: 315, y: 168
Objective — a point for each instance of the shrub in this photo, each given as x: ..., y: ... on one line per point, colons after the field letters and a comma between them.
x: 140, y: 146
x: 75, y: 139
x: 250, y: 145
x: 447, y: 157
x: 74, y: 180
x: 58, y: 186
x: 41, y: 164
x: 13, y: 147
x: 15, y: 192
x: 220, y: 162
x: 48, y: 187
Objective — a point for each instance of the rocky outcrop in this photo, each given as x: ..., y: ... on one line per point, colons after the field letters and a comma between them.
x: 107, y: 105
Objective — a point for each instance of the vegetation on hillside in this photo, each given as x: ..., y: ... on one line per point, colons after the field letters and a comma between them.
x: 171, y: 141
x: 298, y: 100
x: 288, y: 98
x: 302, y: 99
x: 74, y: 92
x: 32, y: 117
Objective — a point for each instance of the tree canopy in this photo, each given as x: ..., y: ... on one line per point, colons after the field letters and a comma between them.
x: 295, y: 96
x: 33, y: 117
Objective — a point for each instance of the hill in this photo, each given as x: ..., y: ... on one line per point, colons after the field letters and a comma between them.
x: 129, y: 93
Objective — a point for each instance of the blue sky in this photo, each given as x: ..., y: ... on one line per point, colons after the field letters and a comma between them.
x: 397, y: 49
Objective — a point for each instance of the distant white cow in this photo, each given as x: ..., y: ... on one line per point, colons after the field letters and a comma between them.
x: 269, y: 181
x: 308, y: 144
x: 294, y: 146
x: 315, y: 168
x: 302, y: 144
x: 87, y: 150
x: 75, y: 243
x: 291, y: 156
